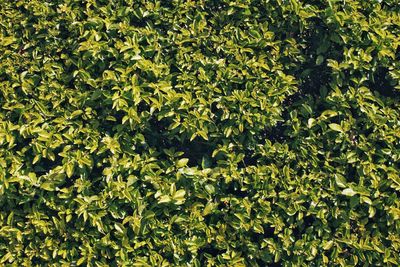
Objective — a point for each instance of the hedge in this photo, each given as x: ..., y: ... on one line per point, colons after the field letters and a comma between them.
x: 199, y: 133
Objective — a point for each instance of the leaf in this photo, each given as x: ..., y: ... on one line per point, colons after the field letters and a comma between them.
x: 210, y: 189
x: 340, y: 180
x: 328, y: 245
x: 49, y: 186
x: 136, y: 57
x: 208, y: 209
x: 203, y: 134
x: 70, y: 169
x: 349, y: 192
x: 119, y: 227
x: 164, y: 199
x: 228, y: 131
x: 182, y: 162
x: 328, y: 114
x: 336, y: 127
x: 36, y: 159
x: 319, y: 60
x: 6, y: 41
x: 81, y: 261
x: 258, y: 228
x: 311, y: 122
x: 76, y: 113
x: 179, y: 197
x: 172, y: 189
x: 179, y: 194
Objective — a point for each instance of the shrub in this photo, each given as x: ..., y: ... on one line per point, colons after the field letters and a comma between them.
x: 199, y: 133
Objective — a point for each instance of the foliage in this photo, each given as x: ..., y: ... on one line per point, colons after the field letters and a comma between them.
x: 199, y: 133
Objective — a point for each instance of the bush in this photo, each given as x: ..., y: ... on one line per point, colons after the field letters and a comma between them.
x: 199, y: 133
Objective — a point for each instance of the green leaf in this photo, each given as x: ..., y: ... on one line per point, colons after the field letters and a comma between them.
x: 328, y: 245
x: 164, y: 199
x: 311, y: 122
x: 340, y: 180
x: 319, y: 60
x: 203, y: 134
x: 179, y: 195
x: 182, y: 162
x: 349, y: 192
x: 336, y: 127
x: 210, y: 189
x: 119, y: 227
x: 49, y: 186
x: 6, y: 41
x: 70, y: 169
x: 208, y: 208
x: 81, y: 261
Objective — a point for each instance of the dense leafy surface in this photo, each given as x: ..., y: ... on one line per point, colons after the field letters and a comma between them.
x: 199, y: 133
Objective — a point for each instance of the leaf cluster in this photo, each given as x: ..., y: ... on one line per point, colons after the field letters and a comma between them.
x: 199, y: 133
